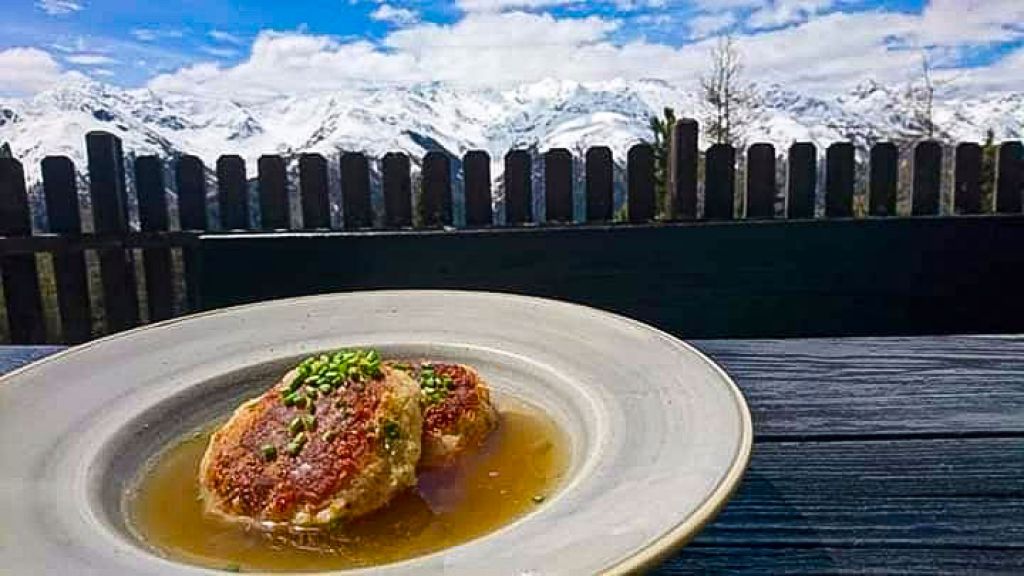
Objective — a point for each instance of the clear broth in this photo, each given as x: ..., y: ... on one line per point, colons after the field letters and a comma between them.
x: 514, y: 472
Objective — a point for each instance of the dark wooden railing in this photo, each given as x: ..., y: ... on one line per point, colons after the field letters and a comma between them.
x: 670, y: 262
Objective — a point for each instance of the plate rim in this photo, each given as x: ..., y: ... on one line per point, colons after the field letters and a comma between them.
x: 641, y: 560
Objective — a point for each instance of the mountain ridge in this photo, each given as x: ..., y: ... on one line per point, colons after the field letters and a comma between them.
x: 414, y: 119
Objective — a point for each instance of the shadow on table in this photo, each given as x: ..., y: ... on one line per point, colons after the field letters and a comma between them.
x: 756, y: 533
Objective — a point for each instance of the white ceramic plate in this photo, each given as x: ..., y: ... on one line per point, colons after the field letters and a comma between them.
x: 659, y: 435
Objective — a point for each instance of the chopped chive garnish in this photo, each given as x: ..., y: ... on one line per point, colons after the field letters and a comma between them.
x: 309, y: 422
x: 269, y: 452
x: 434, y: 387
x: 325, y: 389
x: 330, y: 435
x: 296, y: 425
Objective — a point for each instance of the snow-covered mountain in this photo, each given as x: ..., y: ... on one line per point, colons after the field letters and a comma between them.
x: 435, y: 116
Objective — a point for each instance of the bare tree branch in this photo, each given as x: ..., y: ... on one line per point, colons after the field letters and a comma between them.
x: 731, y: 104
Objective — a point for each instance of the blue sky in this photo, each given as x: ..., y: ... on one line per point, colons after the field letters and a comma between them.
x: 221, y: 46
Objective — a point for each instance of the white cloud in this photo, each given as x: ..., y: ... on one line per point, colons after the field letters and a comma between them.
x: 502, y: 5
x: 783, y: 12
x: 707, y: 24
x: 826, y: 53
x: 89, y: 59
x: 153, y: 34
x: 971, y: 21
x: 833, y: 52
x: 718, y: 5
x: 226, y: 37
x: 220, y: 52
x: 396, y: 16
x: 25, y: 71
x: 59, y: 7
x: 1004, y: 75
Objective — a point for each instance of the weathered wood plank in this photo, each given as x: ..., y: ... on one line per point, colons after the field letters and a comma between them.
x: 839, y: 180
x: 710, y: 284
x: 558, y: 185
x: 149, y: 185
x: 854, y: 387
x: 191, y: 177
x: 518, y: 181
x: 1010, y: 178
x: 397, y: 187
x: 316, y: 203
x: 684, y: 169
x: 110, y: 216
x: 641, y: 204
x: 600, y: 184
x: 273, y: 181
x: 60, y: 192
x: 967, y: 179
x: 874, y: 494
x: 884, y: 179
x: 927, y: 178
x: 355, y: 191
x: 232, y: 193
x: 14, y: 357
x: 477, y: 167
x: 720, y: 182
x: 20, y: 277
x: 699, y: 559
x: 802, y: 181
x: 436, y: 198
x: 760, y: 181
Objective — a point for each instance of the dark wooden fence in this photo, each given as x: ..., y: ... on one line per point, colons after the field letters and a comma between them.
x: 699, y: 270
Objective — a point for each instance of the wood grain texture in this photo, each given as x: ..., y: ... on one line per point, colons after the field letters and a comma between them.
x: 967, y: 176
x: 232, y: 193
x: 273, y: 192
x: 518, y: 181
x: 641, y: 205
x: 558, y: 171
x: 60, y: 191
x: 683, y: 169
x: 191, y: 177
x: 109, y: 197
x: 770, y: 561
x: 600, y: 184
x: 839, y: 180
x: 397, y: 189
x: 357, y: 209
x: 760, y: 181
x: 884, y: 179
x: 1010, y: 178
x: 719, y: 182
x: 436, y: 196
x: 802, y: 181
x: 149, y: 186
x: 476, y: 166
x: 854, y: 387
x: 313, y: 189
x: 18, y: 272
x: 927, y: 178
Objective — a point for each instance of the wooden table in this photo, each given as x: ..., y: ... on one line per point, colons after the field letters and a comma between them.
x: 873, y: 455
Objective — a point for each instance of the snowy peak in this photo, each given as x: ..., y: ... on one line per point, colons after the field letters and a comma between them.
x: 414, y: 119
